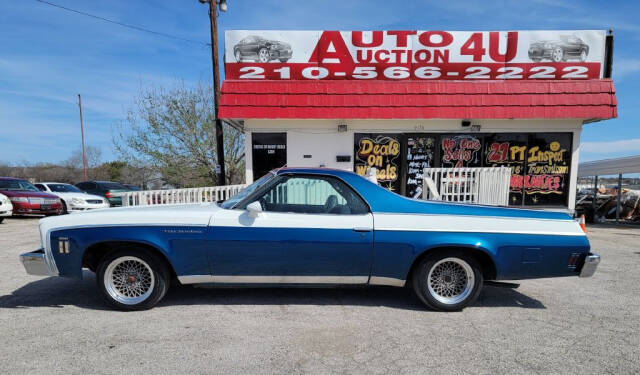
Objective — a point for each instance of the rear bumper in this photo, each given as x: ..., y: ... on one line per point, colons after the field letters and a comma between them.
x: 590, y: 265
x: 34, y: 263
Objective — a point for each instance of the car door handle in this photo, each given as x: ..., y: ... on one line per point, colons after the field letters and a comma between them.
x: 361, y: 229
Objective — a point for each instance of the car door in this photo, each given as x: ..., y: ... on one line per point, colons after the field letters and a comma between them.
x: 313, y: 229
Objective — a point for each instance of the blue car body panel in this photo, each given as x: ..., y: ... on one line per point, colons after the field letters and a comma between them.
x: 389, y: 252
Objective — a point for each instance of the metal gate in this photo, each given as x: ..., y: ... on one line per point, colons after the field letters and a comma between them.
x: 469, y: 185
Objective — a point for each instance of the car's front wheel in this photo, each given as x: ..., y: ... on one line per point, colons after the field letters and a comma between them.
x: 557, y: 54
x: 132, y: 279
x: 238, y: 56
x: 263, y: 55
x: 448, y: 281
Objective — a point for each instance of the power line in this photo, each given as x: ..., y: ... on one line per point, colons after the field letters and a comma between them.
x: 134, y: 27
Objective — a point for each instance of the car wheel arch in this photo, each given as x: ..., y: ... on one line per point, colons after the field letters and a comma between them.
x: 482, y: 255
x: 95, y: 252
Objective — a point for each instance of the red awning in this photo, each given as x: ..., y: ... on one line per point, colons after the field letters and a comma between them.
x: 589, y: 100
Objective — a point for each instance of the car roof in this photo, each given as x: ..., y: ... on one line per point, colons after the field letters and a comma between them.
x: 50, y: 182
x: 13, y: 178
x: 306, y: 170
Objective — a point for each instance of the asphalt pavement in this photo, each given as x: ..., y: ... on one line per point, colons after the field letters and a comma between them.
x: 564, y: 325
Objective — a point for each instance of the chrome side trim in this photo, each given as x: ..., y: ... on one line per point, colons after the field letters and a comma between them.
x: 590, y: 265
x: 390, y: 281
x: 198, y: 279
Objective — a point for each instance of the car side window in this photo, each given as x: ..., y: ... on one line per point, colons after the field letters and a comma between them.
x: 312, y: 195
x: 40, y: 187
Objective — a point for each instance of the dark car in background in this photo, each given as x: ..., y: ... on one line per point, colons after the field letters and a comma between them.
x: 262, y: 50
x: 27, y: 199
x: 132, y: 187
x: 568, y: 47
x: 105, y: 189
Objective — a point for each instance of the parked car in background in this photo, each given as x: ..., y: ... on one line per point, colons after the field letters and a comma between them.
x: 104, y: 189
x: 312, y: 226
x: 27, y: 199
x: 132, y: 187
x: 6, y: 208
x: 73, y: 199
x: 568, y: 47
x: 261, y: 50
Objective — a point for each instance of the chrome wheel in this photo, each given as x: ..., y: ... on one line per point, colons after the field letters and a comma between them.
x: 583, y: 55
x: 450, y: 281
x: 557, y: 55
x: 129, y: 280
x: 238, y: 56
x: 263, y: 55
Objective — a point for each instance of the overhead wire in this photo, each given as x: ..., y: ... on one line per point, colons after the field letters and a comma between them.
x: 134, y: 27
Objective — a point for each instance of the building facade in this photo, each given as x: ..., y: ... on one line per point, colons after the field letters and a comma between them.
x: 455, y: 110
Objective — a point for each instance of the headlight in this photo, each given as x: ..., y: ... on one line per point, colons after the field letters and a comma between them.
x: 19, y: 199
x: 77, y: 201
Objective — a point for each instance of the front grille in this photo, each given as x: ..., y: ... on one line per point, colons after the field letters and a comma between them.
x: 36, y: 200
x: 94, y: 201
x: 50, y: 201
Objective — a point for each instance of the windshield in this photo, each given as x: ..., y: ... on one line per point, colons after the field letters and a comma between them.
x: 231, y: 202
x: 64, y: 188
x: 17, y: 185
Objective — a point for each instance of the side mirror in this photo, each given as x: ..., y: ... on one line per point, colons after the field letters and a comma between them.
x: 254, y: 209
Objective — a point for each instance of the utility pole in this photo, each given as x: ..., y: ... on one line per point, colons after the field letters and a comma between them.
x: 213, y: 7
x: 84, y: 156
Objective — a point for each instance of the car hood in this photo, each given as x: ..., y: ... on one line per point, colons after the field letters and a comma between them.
x: 78, y: 195
x: 279, y: 43
x: 162, y: 215
x: 29, y: 194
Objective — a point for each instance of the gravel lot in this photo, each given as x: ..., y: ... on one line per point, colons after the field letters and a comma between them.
x: 568, y: 325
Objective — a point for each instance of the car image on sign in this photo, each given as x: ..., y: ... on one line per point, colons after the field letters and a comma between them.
x: 311, y: 226
x: 261, y: 50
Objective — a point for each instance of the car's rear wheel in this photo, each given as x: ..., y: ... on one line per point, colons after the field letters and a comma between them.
x: 448, y: 281
x: 557, y: 54
x: 132, y: 279
x: 238, y: 56
x: 263, y: 55
x: 64, y: 208
x: 583, y: 55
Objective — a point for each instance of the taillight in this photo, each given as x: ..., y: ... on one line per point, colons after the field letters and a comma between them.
x: 107, y: 194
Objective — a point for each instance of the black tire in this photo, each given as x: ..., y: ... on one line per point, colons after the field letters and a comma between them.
x: 283, y: 60
x: 454, y: 261
x: 64, y: 208
x: 238, y: 55
x: 156, y: 267
x: 1, y: 220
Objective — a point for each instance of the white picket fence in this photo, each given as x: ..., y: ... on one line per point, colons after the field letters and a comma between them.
x: 470, y: 185
x: 177, y: 196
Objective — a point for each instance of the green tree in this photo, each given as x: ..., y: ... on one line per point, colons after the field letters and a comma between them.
x: 172, y: 131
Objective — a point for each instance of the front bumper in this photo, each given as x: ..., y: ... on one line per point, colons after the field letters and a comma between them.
x: 34, y: 263
x: 590, y: 265
x: 24, y: 208
x: 87, y: 207
x: 6, y: 213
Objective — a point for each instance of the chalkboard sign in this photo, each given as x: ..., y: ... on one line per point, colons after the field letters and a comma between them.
x: 460, y: 151
x: 508, y: 150
x: 546, y: 180
x: 421, y: 153
x: 381, y: 151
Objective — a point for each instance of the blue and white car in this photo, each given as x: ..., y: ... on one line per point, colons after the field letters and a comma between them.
x: 311, y: 227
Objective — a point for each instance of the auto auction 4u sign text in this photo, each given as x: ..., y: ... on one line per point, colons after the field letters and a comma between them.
x: 413, y: 55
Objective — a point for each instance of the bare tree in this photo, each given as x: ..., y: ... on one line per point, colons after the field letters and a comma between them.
x: 173, y: 132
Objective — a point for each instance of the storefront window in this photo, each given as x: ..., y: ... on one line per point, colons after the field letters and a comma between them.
x: 383, y: 152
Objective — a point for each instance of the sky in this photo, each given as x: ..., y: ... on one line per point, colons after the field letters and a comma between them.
x: 49, y: 55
